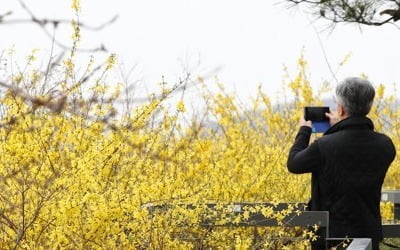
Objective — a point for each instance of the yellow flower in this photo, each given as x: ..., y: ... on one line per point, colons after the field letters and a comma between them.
x: 76, y: 5
x: 181, y: 106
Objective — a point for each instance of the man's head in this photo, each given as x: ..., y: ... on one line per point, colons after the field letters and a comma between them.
x: 354, y: 97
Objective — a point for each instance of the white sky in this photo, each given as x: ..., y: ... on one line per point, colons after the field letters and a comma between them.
x: 250, y: 40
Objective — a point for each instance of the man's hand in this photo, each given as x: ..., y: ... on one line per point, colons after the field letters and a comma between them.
x: 333, y: 117
x: 303, y: 122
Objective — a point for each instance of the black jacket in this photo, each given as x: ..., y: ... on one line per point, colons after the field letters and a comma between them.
x: 348, y: 166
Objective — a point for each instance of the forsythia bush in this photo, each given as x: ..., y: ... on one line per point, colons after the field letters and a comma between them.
x: 75, y: 175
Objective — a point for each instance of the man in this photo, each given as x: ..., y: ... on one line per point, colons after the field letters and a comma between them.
x: 348, y: 165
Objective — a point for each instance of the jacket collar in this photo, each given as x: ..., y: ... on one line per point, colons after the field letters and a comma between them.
x: 353, y: 122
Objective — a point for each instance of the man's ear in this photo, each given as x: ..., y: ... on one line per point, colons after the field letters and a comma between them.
x: 341, y: 111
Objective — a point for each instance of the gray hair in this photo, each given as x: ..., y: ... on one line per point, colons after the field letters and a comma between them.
x: 356, y: 95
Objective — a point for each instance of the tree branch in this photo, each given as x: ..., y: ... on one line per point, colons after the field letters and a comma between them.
x: 43, y: 23
x: 361, y: 11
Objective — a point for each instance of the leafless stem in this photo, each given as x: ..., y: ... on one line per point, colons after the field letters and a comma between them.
x: 54, y: 23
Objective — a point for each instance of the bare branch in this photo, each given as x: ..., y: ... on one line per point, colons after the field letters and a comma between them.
x: 55, y: 22
x: 363, y: 12
x: 43, y: 23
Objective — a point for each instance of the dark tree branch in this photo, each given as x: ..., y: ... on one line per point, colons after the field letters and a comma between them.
x: 55, y: 22
x: 363, y: 12
x: 43, y: 23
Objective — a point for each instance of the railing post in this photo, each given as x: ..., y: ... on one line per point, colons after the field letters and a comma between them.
x: 392, y: 196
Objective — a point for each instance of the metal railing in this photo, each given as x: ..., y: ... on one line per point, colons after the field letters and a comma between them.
x: 299, y: 217
x: 392, y: 230
x: 392, y: 196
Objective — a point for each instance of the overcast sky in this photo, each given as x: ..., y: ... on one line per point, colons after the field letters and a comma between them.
x: 249, y: 40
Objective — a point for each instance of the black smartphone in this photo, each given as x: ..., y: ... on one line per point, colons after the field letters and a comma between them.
x: 320, y: 123
x: 316, y: 113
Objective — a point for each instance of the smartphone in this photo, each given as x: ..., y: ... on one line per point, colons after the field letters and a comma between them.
x: 320, y: 123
